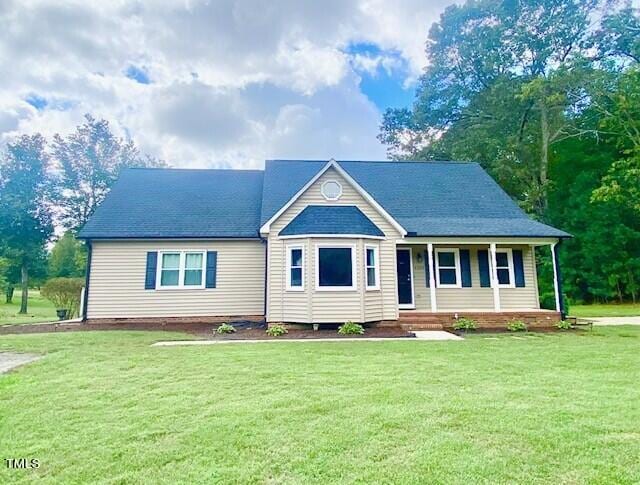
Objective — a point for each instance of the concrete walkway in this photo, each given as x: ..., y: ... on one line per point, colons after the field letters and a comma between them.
x: 614, y: 320
x: 11, y: 360
x: 423, y: 336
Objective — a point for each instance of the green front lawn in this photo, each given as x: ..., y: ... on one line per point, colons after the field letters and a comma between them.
x: 39, y: 309
x: 606, y: 310
x: 543, y: 408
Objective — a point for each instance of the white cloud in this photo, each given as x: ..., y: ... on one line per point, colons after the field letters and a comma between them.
x: 232, y: 82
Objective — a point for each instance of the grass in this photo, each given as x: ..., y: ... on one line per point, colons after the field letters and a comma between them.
x: 104, y: 407
x: 39, y: 309
x: 606, y: 310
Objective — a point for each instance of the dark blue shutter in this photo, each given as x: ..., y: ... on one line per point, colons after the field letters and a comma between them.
x: 426, y: 268
x: 465, y: 268
x: 483, y: 267
x: 152, y: 268
x: 212, y: 263
x: 518, y: 268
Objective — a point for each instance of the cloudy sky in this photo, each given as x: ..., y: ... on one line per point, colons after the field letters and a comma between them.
x: 215, y: 83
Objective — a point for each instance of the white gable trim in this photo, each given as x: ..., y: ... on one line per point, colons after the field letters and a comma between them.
x: 333, y: 164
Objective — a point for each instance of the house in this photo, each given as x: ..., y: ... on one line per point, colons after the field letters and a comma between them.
x: 304, y: 242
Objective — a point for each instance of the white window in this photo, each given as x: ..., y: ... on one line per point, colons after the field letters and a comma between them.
x: 295, y: 268
x: 372, y: 274
x: 448, y: 268
x: 331, y: 190
x: 504, y: 268
x: 193, y: 269
x: 335, y: 267
x: 181, y: 269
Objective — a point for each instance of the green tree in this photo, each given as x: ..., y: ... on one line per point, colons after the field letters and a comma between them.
x: 619, y: 107
x: 67, y: 258
x: 4, y: 272
x: 505, y: 82
x: 90, y: 160
x: 26, y: 215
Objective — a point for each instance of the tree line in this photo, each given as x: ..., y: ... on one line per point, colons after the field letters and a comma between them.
x: 50, y: 187
x: 545, y: 95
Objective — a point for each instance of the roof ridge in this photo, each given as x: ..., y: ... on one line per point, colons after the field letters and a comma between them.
x: 444, y: 162
x: 178, y: 169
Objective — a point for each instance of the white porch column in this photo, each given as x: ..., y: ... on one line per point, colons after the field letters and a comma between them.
x: 432, y: 278
x: 494, y: 278
x: 556, y: 290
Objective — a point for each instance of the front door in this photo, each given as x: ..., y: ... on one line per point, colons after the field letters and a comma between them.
x: 405, y: 278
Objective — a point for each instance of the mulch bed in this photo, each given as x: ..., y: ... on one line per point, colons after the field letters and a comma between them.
x: 201, y: 330
x: 259, y: 333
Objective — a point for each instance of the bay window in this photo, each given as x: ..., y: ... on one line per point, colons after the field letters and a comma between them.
x: 295, y: 268
x: 335, y: 267
x: 372, y: 274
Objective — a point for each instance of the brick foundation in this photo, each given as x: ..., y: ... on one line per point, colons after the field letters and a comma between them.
x: 423, y: 320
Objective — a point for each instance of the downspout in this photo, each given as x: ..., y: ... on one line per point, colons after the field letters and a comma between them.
x: 556, y: 262
x: 85, y: 301
x: 266, y: 274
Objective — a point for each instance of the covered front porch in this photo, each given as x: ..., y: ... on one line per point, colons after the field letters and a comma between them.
x: 492, y: 276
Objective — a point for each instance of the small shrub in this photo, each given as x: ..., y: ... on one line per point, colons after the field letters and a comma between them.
x: 64, y: 293
x: 276, y: 330
x: 517, y: 326
x: 564, y: 325
x: 465, y: 324
x: 351, y: 328
x: 225, y: 328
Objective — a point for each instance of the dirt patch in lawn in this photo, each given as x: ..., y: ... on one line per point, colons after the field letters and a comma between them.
x: 11, y: 360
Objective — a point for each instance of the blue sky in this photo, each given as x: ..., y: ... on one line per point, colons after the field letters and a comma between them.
x: 385, y: 87
x: 224, y: 83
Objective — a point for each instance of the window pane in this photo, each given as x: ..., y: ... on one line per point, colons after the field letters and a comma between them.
x: 503, y: 276
x: 371, y: 257
x: 193, y: 261
x: 334, y: 266
x: 169, y: 277
x: 371, y: 277
x: 171, y: 261
x: 296, y: 257
x: 502, y: 259
x: 193, y: 277
x: 296, y: 276
x: 446, y: 259
x: 448, y: 277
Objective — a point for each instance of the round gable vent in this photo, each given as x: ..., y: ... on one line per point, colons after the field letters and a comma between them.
x: 331, y: 190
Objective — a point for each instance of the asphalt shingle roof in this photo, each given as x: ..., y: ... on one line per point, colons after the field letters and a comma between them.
x: 426, y: 198
x: 333, y: 219
x: 173, y: 203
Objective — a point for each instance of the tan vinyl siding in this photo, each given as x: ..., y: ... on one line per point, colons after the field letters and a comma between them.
x: 475, y: 297
x: 118, y: 273
x: 323, y: 306
x: 526, y: 297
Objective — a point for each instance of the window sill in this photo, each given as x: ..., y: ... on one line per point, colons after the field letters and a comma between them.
x: 336, y: 288
x: 181, y: 288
